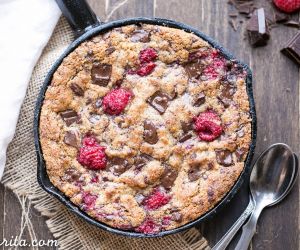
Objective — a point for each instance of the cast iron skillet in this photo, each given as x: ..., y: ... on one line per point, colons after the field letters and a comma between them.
x: 86, y: 25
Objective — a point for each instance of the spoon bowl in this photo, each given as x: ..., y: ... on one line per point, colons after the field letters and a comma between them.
x: 272, y: 174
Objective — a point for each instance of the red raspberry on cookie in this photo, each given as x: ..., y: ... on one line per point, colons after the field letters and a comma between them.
x: 208, y: 125
x: 91, y: 154
x: 116, y: 101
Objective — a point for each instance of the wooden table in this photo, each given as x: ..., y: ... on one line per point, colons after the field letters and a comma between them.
x: 276, y: 87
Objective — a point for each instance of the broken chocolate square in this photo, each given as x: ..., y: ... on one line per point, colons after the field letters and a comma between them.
x: 159, y: 101
x: 258, y: 30
x: 101, y: 74
x: 292, y: 49
x: 70, y: 116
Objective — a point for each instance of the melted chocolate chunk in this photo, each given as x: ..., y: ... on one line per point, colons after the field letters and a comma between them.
x: 194, y: 68
x: 177, y: 217
x: 71, y: 174
x: 101, y: 74
x: 118, y: 165
x: 258, y: 30
x: 199, y: 100
x: 76, y: 89
x: 69, y: 116
x: 185, y: 137
x: 72, y: 139
x: 159, y: 101
x: 141, y: 160
x: 239, y: 153
x: 227, y: 93
x: 224, y: 157
x: 186, y: 126
x: 168, y: 178
x: 110, y: 50
x: 150, y: 133
x: 194, y: 173
x: 140, y: 35
x: 210, y: 194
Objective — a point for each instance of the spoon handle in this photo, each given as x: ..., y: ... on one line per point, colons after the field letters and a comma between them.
x: 249, y: 229
x: 226, y: 239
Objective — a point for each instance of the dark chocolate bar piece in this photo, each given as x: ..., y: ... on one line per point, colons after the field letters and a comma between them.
x: 292, y: 49
x: 258, y: 30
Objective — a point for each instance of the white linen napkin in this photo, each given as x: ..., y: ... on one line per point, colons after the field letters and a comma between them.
x: 25, y: 28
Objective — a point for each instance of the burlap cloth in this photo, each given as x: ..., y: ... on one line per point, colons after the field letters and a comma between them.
x: 20, y: 176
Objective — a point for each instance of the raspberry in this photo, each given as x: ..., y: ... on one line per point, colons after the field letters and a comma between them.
x: 156, y: 200
x: 91, y: 154
x: 208, y: 126
x: 115, y: 101
x: 148, y: 227
x: 166, y: 220
x: 89, y: 199
x: 214, y: 69
x: 287, y: 5
x: 146, y: 69
x: 147, y: 55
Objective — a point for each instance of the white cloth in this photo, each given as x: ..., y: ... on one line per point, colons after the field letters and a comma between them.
x: 25, y: 28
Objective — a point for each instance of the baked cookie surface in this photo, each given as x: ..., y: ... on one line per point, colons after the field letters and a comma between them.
x: 146, y: 128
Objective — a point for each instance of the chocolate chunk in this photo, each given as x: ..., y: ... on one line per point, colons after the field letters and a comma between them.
x: 292, y: 23
x: 101, y: 73
x: 199, y: 100
x: 292, y: 49
x: 194, y: 68
x: 210, y: 194
x: 281, y: 17
x: 159, y: 101
x: 245, y: 7
x: 141, y: 160
x: 69, y: 116
x: 72, y: 139
x: 177, y: 217
x: 71, y: 174
x: 185, y: 137
x: 194, y: 173
x: 140, y: 35
x: 150, y: 133
x: 239, y: 153
x: 76, y: 89
x: 186, y: 126
x: 258, y: 30
x: 224, y: 157
x: 118, y: 165
x: 110, y: 50
x: 168, y: 178
x: 227, y: 93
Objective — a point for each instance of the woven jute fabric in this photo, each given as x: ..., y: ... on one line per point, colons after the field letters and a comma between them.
x: 20, y: 176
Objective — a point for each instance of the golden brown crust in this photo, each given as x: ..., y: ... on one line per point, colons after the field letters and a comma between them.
x: 118, y: 197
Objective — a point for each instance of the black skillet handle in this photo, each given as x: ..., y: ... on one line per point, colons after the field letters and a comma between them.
x: 79, y: 15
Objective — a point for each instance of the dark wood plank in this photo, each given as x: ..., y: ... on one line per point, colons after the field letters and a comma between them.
x: 10, y: 222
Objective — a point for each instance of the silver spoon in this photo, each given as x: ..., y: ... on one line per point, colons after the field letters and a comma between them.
x: 270, y: 179
x: 226, y: 239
